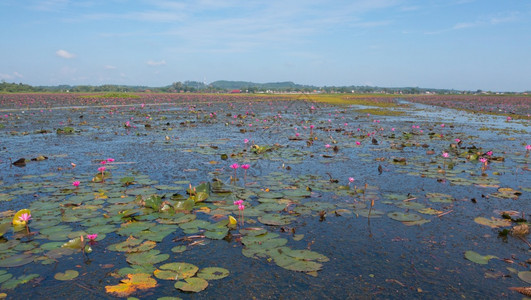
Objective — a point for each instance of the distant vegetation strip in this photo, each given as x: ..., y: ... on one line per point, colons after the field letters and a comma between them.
x: 112, y: 95
x: 222, y: 86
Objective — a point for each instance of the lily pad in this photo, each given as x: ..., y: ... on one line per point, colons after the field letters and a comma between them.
x: 14, y: 282
x: 493, y: 222
x: 525, y: 276
x: 404, y: 217
x: 131, y: 284
x: 150, y: 257
x: 478, y: 258
x: 4, y: 228
x: 67, y: 275
x: 176, y: 271
x: 16, y: 260
x: 213, y: 273
x: 16, y: 220
x: 275, y: 219
x: 194, y: 284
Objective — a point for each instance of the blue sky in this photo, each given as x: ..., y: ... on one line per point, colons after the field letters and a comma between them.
x: 460, y: 44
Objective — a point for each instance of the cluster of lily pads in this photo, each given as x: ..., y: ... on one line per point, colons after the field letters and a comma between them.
x: 135, y: 217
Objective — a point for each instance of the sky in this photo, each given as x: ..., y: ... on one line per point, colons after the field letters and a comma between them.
x: 450, y: 44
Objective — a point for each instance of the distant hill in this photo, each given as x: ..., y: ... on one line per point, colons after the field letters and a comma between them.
x: 242, y: 85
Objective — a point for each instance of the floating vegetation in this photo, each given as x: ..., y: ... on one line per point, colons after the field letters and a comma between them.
x: 210, y: 193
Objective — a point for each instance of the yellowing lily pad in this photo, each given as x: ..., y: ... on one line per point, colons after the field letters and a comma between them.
x: 478, y: 258
x: 131, y: 284
x: 16, y: 220
x: 67, y: 275
x: 525, y: 276
x: 194, y: 284
x: 493, y: 222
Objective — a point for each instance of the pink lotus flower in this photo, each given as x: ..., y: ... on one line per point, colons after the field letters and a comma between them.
x: 442, y: 125
x: 92, y: 237
x: 351, y: 179
x: 445, y: 154
x: 245, y: 167
x: 528, y: 147
x: 358, y: 143
x: 483, y: 160
x: 103, y: 162
x: 101, y: 169
x: 110, y: 159
x: 235, y: 166
x: 327, y: 146
x: 76, y: 183
x: 241, y: 207
x: 489, y: 153
x: 245, y: 141
x: 457, y: 141
x: 393, y: 129
x: 312, y: 127
x: 25, y: 217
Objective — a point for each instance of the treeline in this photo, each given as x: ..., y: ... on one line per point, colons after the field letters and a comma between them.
x: 224, y: 86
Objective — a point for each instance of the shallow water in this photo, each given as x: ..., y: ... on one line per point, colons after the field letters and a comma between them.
x: 375, y: 257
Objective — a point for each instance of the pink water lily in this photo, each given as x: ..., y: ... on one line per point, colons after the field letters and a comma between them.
x: 528, y: 147
x: 235, y: 166
x: 92, y: 237
x: 76, y: 183
x: 25, y: 217
x: 110, y: 159
x: 351, y: 179
x: 245, y: 167
x: 101, y: 169
x: 445, y: 154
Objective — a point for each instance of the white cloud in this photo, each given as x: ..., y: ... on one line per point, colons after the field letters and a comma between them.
x: 64, y: 54
x: 10, y: 76
x: 156, y: 63
x: 109, y: 67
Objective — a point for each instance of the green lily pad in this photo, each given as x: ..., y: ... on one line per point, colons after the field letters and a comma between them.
x: 16, y: 260
x: 67, y: 275
x: 4, y: 276
x: 133, y: 227
x: 275, y: 219
x: 73, y: 244
x: 404, y: 217
x: 439, y: 197
x: 176, y: 271
x: 133, y: 245
x: 14, y: 282
x: 213, y: 273
x: 150, y: 257
x: 194, y: 284
x: 4, y: 228
x: 478, y: 258
x: 136, y: 269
